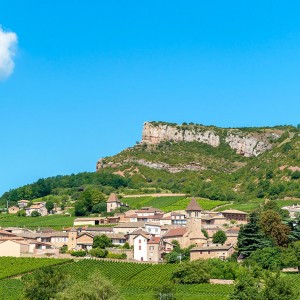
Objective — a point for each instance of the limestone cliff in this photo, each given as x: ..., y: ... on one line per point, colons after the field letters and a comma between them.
x: 247, y: 144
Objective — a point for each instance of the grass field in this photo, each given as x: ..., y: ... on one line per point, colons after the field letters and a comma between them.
x: 54, y: 221
x: 170, y: 203
x: 247, y: 206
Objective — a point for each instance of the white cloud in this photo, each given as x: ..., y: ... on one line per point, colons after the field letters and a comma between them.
x: 8, y: 42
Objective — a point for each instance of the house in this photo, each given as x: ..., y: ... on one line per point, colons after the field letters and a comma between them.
x: 232, y: 235
x: 13, y: 247
x: 98, y: 230
x: 23, y: 203
x: 117, y: 238
x: 207, y: 251
x: 13, y: 209
x: 113, y: 203
x: 128, y: 227
x: 57, y: 238
x: 130, y: 236
x: 39, y: 207
x: 84, y: 241
x: 89, y: 221
x: 153, y: 228
x: 235, y: 215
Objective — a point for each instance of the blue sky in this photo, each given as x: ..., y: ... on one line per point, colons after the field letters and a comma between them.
x: 87, y: 74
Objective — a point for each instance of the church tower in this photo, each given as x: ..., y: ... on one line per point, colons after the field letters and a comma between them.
x: 193, y: 216
x: 193, y: 224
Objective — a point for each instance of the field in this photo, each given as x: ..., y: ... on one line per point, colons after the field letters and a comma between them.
x: 133, y: 280
x: 244, y: 206
x: 170, y: 203
x: 54, y: 221
x: 11, y: 266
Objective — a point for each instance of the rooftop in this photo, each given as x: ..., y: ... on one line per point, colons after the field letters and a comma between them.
x: 113, y: 198
x: 193, y: 206
x: 175, y: 232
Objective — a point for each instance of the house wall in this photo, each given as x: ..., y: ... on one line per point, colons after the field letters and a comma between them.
x: 211, y: 254
x: 154, y: 230
x: 84, y: 239
x: 153, y: 252
x: 140, y: 248
x: 59, y: 241
x: 10, y: 248
x: 78, y: 223
x: 124, y: 230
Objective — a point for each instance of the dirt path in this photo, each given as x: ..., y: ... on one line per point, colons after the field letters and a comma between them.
x: 153, y: 195
x: 223, y: 205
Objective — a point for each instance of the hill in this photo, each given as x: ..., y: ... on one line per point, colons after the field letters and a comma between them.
x: 227, y: 164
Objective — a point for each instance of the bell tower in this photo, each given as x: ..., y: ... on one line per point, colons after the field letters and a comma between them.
x: 193, y: 211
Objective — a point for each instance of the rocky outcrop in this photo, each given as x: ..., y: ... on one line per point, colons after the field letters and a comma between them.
x: 249, y: 144
x: 154, y: 134
x: 101, y: 164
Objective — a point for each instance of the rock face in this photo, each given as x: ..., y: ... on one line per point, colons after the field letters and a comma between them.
x: 250, y: 144
x: 154, y: 134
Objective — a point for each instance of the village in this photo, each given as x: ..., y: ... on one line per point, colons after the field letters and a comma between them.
x: 149, y: 232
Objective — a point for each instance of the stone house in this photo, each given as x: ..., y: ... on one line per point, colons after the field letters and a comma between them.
x: 238, y: 216
x: 13, y: 209
x: 38, y: 207
x: 113, y: 203
x: 23, y: 203
x: 207, y: 251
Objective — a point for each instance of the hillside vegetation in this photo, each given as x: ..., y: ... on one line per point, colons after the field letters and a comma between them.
x: 193, y: 168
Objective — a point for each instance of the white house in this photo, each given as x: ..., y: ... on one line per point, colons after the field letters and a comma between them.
x: 140, y: 247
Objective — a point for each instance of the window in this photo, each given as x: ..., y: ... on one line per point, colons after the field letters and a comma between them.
x: 140, y: 247
x: 140, y: 241
x: 156, y: 229
x: 151, y: 248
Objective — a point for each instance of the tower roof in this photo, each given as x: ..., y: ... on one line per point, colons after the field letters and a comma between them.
x: 193, y: 206
x: 113, y: 198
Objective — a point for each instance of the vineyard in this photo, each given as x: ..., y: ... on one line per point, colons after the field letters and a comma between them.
x: 169, y: 203
x: 139, y: 280
x: 11, y: 266
x: 53, y: 221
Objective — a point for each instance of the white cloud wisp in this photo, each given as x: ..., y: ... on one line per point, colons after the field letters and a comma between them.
x: 8, y: 42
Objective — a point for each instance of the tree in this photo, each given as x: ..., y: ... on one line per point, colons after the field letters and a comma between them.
x: 101, y: 242
x: 291, y: 256
x: 35, y: 213
x: 93, y: 288
x: 21, y: 213
x: 277, y: 288
x: 49, y: 205
x: 219, y: 237
x: 190, y: 272
x: 44, y: 284
x: 268, y: 258
x: 251, y: 237
x: 271, y: 224
x: 80, y: 209
x: 246, y: 287
x: 100, y: 207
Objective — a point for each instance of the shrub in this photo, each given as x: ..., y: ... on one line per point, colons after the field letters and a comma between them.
x: 35, y: 214
x: 117, y: 256
x: 80, y: 253
x: 97, y: 252
x: 63, y: 249
x: 126, y: 246
x: 192, y: 272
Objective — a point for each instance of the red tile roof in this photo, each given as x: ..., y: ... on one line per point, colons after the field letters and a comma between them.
x: 154, y: 240
x: 193, y: 206
x: 113, y: 198
x: 175, y: 232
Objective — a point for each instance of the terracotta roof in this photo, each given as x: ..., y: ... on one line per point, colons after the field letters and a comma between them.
x: 130, y: 225
x: 148, y: 210
x: 4, y: 232
x: 113, y: 198
x: 89, y: 219
x: 110, y: 229
x: 116, y: 236
x: 139, y: 231
x: 154, y: 240
x: 175, y: 232
x: 24, y: 201
x: 193, y: 206
x: 234, y: 211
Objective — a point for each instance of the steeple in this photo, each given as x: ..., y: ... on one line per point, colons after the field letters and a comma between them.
x: 193, y: 206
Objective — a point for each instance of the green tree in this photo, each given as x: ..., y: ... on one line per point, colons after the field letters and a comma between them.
x: 267, y: 258
x: 251, y: 237
x: 44, y: 283
x: 80, y: 208
x: 49, y: 205
x: 100, y: 207
x: 190, y: 272
x: 291, y: 256
x: 102, y: 242
x: 219, y: 237
x: 277, y: 288
x: 246, y: 287
x: 93, y: 288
